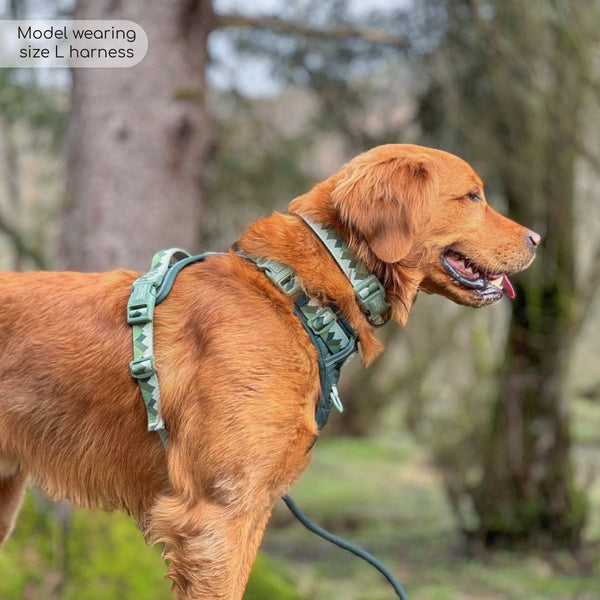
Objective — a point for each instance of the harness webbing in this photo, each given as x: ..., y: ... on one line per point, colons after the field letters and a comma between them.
x: 369, y: 292
x: 329, y: 331
x: 336, y: 344
x: 140, y: 315
x: 331, y: 334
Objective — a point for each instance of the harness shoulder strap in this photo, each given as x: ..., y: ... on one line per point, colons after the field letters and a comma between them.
x: 331, y: 334
x: 140, y: 315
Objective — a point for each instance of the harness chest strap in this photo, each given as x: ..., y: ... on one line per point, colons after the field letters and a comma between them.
x: 368, y: 290
x: 329, y: 331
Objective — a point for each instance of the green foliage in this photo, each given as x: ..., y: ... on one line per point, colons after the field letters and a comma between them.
x: 98, y: 556
x: 93, y: 556
x: 266, y: 581
x: 116, y: 565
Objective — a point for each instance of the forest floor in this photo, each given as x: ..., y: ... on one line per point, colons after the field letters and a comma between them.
x: 384, y: 495
x: 380, y: 493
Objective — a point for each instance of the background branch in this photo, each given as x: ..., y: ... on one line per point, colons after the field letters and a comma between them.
x: 370, y: 34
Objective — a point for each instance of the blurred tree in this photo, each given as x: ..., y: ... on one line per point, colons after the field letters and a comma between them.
x: 31, y: 119
x: 137, y: 141
x: 31, y: 122
x: 509, y: 88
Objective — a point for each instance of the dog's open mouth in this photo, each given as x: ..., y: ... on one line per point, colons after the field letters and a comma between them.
x: 467, y: 274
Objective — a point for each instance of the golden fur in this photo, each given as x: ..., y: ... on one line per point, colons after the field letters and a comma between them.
x: 238, y: 373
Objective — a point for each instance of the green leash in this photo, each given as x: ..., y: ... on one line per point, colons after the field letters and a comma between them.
x: 334, y: 539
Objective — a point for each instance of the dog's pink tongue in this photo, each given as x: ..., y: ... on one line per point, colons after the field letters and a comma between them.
x: 507, y: 287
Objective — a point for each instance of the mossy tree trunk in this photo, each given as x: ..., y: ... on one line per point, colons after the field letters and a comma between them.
x: 138, y: 138
x: 528, y: 493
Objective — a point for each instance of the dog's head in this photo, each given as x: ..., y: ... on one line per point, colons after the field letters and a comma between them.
x: 418, y: 218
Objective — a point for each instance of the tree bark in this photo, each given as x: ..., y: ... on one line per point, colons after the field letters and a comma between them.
x: 137, y: 141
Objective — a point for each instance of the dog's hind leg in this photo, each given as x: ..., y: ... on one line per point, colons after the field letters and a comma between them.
x: 12, y: 489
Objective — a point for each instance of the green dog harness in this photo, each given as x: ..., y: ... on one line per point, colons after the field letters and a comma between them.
x: 329, y: 331
x: 140, y: 315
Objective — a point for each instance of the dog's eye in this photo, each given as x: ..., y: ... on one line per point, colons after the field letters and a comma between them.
x: 475, y: 195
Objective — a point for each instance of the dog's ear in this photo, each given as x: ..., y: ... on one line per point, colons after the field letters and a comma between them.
x: 386, y: 201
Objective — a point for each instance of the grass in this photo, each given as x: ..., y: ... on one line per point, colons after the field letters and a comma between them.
x: 384, y: 495
x: 380, y: 493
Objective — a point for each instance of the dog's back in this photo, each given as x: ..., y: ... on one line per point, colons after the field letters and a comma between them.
x: 72, y: 417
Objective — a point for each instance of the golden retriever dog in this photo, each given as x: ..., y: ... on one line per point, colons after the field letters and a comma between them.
x: 238, y: 372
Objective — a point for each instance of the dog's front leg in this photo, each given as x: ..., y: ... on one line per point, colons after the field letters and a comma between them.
x: 210, y: 547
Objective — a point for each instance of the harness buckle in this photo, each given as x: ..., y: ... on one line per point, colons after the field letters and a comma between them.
x: 322, y: 321
x: 371, y: 297
x: 140, y: 307
x: 143, y: 367
x: 280, y: 274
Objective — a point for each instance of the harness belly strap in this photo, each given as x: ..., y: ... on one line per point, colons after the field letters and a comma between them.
x: 140, y: 315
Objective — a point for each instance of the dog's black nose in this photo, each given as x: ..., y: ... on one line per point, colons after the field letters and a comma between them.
x: 534, y: 238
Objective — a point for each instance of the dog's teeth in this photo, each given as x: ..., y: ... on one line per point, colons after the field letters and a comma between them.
x: 497, y: 282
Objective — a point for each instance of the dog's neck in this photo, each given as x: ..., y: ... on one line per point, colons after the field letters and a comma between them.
x: 288, y: 239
